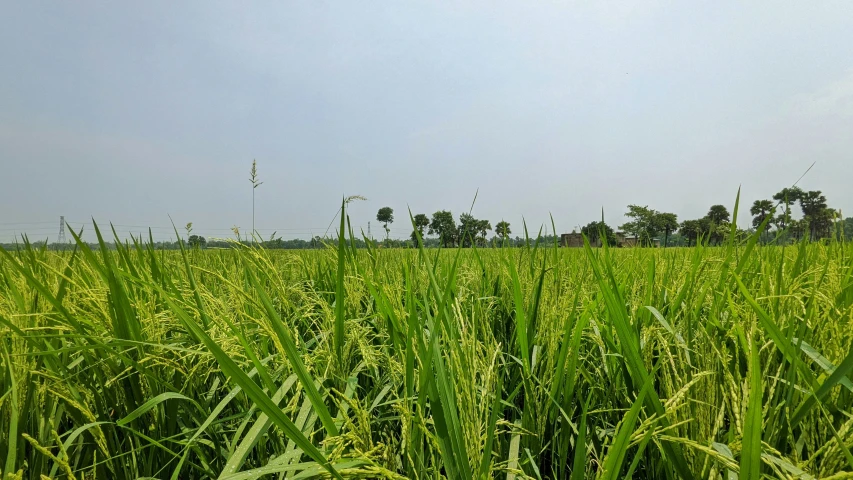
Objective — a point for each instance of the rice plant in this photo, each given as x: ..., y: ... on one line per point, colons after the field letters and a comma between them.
x: 707, y: 362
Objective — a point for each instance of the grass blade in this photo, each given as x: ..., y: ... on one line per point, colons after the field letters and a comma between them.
x: 750, y: 456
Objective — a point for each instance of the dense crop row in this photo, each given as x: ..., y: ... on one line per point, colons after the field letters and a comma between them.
x: 527, y: 362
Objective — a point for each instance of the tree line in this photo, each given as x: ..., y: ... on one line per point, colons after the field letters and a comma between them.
x: 469, y: 231
x: 645, y: 224
x: 817, y: 221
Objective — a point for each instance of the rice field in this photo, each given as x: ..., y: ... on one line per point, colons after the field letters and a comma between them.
x: 536, y: 362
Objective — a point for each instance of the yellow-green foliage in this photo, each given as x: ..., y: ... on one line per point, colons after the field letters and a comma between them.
x: 693, y: 363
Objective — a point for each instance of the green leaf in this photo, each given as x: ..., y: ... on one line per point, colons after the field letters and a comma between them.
x: 252, y: 390
x: 13, y: 415
x: 289, y: 345
x: 839, y: 375
x: 750, y: 455
x: 153, y: 403
x: 579, y: 463
x: 619, y: 448
x: 822, y: 361
x: 340, y: 292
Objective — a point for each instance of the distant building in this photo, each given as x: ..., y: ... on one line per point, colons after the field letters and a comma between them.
x: 575, y: 240
x: 624, y: 241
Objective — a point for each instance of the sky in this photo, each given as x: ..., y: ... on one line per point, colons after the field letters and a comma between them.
x: 145, y: 113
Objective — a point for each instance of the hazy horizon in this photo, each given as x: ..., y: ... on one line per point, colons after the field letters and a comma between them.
x: 132, y: 113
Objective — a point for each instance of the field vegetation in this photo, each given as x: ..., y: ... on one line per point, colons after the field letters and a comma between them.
x: 730, y: 361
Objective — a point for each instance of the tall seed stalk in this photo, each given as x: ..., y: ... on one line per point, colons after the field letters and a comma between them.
x: 255, y: 180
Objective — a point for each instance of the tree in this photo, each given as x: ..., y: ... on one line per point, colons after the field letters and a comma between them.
x: 594, y: 231
x: 845, y: 229
x: 702, y: 228
x: 787, y: 197
x: 823, y: 222
x: 444, y: 226
x: 718, y: 214
x: 253, y: 177
x: 421, y: 222
x: 816, y: 213
x: 691, y: 230
x: 468, y: 229
x: 798, y: 228
x: 666, y: 222
x: 643, y: 225
x: 812, y: 202
x: 760, y: 210
x: 483, y: 227
x: 502, y: 229
x: 718, y: 232
x: 196, y: 241
x: 385, y: 216
x: 715, y: 225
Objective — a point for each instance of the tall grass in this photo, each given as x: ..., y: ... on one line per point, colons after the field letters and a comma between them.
x: 536, y: 362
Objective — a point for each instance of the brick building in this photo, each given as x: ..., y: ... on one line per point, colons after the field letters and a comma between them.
x: 575, y: 240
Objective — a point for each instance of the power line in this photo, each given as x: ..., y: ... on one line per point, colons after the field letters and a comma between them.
x: 26, y: 223
x: 15, y: 226
x: 27, y: 229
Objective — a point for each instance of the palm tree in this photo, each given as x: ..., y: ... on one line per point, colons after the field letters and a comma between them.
x: 814, y: 207
x: 718, y: 214
x: 502, y: 229
x: 787, y: 197
x: 760, y: 209
x: 483, y: 227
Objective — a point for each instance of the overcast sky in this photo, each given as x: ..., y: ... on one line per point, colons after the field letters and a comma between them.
x: 133, y: 111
